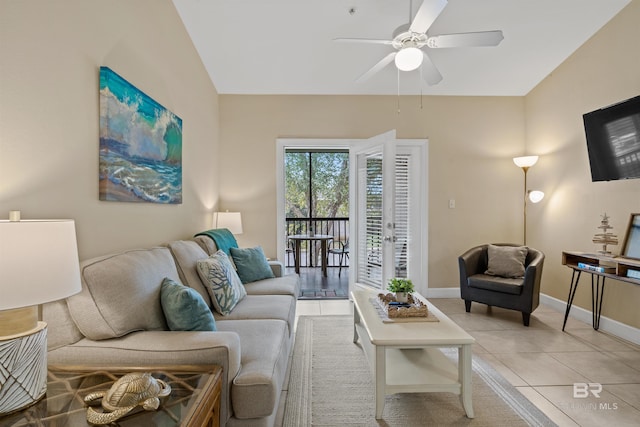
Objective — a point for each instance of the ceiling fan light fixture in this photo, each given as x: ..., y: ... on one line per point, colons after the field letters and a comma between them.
x: 408, y: 58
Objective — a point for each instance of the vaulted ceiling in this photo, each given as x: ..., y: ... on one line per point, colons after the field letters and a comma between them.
x: 287, y: 46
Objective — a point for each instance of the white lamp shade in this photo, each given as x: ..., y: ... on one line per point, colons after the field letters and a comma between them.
x: 230, y: 220
x: 535, y: 196
x: 525, y: 161
x: 409, y: 58
x: 38, y: 262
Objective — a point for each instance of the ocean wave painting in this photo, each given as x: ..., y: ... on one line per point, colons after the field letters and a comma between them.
x: 140, y: 145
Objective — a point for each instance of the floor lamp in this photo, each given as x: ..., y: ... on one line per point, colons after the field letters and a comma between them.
x: 38, y: 264
x: 525, y: 162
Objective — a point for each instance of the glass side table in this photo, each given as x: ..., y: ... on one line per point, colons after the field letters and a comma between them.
x: 194, y: 398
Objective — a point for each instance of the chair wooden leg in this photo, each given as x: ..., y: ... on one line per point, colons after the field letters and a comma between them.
x: 467, y: 305
x: 525, y: 318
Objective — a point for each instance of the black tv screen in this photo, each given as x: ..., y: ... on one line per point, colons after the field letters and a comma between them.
x: 613, y: 141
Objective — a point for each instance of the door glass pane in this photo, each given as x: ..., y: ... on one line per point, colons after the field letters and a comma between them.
x: 370, y: 269
x: 329, y: 187
x: 296, y: 166
x: 402, y: 217
x: 317, y: 199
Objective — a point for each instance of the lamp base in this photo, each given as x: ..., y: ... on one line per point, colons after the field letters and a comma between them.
x: 23, y: 369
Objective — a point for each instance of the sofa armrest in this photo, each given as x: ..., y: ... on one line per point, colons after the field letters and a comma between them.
x: 277, y: 267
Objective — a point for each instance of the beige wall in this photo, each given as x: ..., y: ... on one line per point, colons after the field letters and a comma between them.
x: 471, y: 143
x: 50, y: 54
x: 603, y: 71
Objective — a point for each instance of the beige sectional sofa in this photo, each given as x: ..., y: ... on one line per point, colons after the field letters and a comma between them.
x: 117, y: 320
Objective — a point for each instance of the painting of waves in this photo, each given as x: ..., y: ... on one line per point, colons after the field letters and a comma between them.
x: 140, y: 145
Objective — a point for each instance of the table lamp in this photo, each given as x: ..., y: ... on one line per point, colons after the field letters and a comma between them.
x: 38, y: 264
x: 230, y: 220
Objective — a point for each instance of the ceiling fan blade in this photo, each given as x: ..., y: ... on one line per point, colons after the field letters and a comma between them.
x: 483, y: 38
x: 430, y: 73
x: 379, y: 66
x: 373, y: 41
x: 426, y: 15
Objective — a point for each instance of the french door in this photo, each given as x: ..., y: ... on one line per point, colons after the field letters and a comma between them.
x: 389, y: 211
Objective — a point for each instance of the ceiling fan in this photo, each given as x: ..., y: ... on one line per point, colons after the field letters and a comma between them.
x: 412, y: 43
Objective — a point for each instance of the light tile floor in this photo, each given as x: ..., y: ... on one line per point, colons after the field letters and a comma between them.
x: 543, y: 362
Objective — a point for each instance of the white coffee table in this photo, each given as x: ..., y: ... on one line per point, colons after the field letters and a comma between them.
x: 405, y: 357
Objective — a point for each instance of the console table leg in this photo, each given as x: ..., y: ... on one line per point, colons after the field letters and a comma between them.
x: 575, y: 278
x: 597, y: 291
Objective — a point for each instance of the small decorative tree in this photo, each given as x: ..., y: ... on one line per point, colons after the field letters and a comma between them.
x: 401, y: 288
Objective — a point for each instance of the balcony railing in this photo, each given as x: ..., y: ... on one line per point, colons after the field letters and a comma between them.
x: 310, y: 251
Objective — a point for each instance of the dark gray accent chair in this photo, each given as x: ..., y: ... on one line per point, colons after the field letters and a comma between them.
x: 521, y: 294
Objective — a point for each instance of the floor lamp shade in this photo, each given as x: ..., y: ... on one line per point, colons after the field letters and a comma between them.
x: 38, y: 264
x: 230, y: 220
x: 525, y: 161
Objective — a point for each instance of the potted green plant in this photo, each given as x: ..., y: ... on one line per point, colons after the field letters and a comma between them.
x: 401, y: 288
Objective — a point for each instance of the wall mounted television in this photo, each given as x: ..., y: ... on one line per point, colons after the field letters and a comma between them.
x: 613, y: 141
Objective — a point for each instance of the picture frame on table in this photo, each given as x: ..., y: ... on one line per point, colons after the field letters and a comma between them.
x: 631, y: 246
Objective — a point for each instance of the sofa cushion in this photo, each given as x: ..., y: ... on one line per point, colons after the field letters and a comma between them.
x: 251, y: 264
x: 281, y: 307
x: 186, y: 254
x: 206, y: 243
x: 223, y: 238
x: 184, y: 308
x: 504, y: 285
x: 222, y: 282
x: 506, y: 261
x: 121, y: 293
x: 265, y: 355
x: 285, y: 285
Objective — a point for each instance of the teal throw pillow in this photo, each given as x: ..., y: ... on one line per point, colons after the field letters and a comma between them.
x: 184, y: 308
x: 222, y: 282
x: 251, y: 263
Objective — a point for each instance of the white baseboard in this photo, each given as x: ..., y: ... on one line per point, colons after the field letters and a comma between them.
x: 443, y: 293
x: 611, y: 326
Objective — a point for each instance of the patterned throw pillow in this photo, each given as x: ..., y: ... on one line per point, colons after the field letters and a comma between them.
x: 184, y: 308
x: 222, y: 282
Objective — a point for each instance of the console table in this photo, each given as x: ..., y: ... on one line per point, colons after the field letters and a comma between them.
x: 600, y: 267
x: 194, y: 399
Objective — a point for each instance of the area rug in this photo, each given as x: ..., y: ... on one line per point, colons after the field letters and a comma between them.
x: 331, y: 385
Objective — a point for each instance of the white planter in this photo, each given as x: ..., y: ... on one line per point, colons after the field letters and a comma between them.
x: 402, y: 296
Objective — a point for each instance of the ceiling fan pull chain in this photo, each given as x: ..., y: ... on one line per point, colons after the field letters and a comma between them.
x: 421, y: 87
x: 398, y: 71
